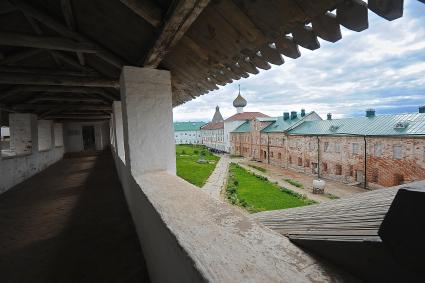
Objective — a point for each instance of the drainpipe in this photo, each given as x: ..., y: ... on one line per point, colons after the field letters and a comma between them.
x: 318, y: 158
x: 365, y: 163
x: 268, y: 149
x: 251, y: 143
x: 240, y: 144
x: 287, y: 152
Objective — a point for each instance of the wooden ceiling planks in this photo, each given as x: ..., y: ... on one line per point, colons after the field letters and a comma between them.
x: 203, y: 46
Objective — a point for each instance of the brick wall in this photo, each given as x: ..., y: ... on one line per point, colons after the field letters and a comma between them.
x: 390, y: 160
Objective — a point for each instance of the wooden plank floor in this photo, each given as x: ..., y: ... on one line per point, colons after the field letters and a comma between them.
x: 70, y: 223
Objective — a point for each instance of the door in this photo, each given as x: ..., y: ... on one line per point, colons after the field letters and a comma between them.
x: 88, y: 138
x: 359, y: 176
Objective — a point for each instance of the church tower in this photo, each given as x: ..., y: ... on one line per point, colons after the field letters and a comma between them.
x: 239, y: 102
x: 217, y: 115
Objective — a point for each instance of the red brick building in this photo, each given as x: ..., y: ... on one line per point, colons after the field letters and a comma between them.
x: 389, y: 148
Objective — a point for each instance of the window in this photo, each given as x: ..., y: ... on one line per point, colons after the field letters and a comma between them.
x: 271, y: 154
x: 325, y: 167
x: 311, y: 146
x: 290, y: 159
x: 377, y: 149
x: 375, y: 175
x: 307, y: 163
x: 356, y: 148
x: 338, y: 169
x: 398, y: 179
x: 397, y: 152
x: 337, y: 147
x: 300, y: 161
x: 279, y: 155
x: 326, y: 147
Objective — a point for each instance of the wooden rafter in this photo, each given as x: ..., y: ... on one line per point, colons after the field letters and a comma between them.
x: 182, y: 17
x: 47, y: 71
x: 147, y: 9
x: 16, y: 57
x: 45, y: 42
x: 34, y: 79
x: 38, y: 31
x: 53, y: 106
x: 16, y: 90
x: 69, y: 18
x: 66, y: 32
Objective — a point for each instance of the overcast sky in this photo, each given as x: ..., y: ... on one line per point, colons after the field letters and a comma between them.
x: 382, y: 67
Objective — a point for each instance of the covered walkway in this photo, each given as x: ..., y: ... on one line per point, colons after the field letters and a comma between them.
x: 70, y: 223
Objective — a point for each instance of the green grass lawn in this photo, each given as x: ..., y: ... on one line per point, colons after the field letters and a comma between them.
x: 256, y: 193
x: 187, y: 167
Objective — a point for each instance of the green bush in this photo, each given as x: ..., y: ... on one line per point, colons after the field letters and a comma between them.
x: 261, y: 169
x: 295, y: 183
x: 235, y: 182
x: 183, y: 151
x: 195, y: 151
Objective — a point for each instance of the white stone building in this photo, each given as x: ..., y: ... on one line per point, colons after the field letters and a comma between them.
x: 216, y: 134
x: 231, y: 123
x: 188, y: 132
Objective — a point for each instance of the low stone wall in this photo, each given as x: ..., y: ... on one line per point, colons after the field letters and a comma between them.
x: 187, y: 236
x: 16, y: 169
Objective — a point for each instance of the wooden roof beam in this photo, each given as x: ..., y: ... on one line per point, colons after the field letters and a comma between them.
x: 69, y: 18
x: 182, y: 17
x: 45, y: 42
x: 55, y: 89
x: 34, y: 79
x: 78, y: 117
x: 16, y: 57
x: 66, y: 32
x: 66, y: 99
x: 388, y: 9
x: 30, y: 106
x: 326, y: 26
x: 147, y: 9
x: 47, y: 71
x: 352, y: 14
x: 6, y: 7
x: 38, y: 31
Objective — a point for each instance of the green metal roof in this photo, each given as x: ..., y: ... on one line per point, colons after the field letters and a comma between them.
x: 266, y: 119
x: 188, y: 126
x: 382, y: 125
x: 280, y: 125
x: 244, y: 128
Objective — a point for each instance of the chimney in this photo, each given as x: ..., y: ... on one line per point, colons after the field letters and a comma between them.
x: 302, y: 112
x: 285, y: 115
x: 370, y: 113
x: 422, y: 109
x: 329, y: 117
x: 293, y: 115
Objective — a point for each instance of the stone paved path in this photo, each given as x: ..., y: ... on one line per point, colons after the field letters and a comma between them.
x: 70, y: 223
x: 218, y: 178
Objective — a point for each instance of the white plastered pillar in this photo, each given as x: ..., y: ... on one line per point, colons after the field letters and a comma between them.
x: 119, y: 132
x: 148, y: 120
x: 23, y: 133
x: 45, y: 135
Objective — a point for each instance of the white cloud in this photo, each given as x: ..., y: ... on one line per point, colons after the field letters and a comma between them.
x: 382, y: 67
